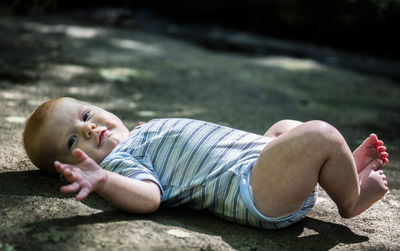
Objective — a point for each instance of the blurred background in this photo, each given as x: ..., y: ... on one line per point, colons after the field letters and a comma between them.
x: 365, y: 26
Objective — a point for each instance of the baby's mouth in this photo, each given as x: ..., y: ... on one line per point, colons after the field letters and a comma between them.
x: 101, y: 136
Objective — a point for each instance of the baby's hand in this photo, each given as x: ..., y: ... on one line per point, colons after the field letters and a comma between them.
x: 85, y: 177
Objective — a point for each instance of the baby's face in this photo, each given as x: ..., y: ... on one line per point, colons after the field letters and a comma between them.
x: 73, y: 124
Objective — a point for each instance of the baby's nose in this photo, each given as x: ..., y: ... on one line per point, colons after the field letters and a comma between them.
x: 88, y: 130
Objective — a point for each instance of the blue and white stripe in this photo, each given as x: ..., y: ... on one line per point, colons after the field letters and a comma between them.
x: 196, y: 163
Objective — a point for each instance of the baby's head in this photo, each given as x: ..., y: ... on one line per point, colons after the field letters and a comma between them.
x: 60, y: 125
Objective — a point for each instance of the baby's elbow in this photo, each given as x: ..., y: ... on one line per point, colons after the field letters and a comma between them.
x: 152, y: 201
x: 145, y: 206
x: 153, y: 205
x: 149, y: 201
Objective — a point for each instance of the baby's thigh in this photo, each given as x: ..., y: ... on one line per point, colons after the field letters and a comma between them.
x: 285, y: 173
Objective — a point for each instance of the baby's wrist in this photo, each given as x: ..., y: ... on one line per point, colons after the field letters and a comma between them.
x: 102, y: 181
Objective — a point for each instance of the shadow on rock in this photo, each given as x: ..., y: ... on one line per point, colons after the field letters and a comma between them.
x: 109, y: 216
x: 307, y: 234
x: 37, y: 183
x: 31, y: 182
x: 327, y: 235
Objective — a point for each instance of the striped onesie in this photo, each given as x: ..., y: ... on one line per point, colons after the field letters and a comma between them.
x: 202, y: 165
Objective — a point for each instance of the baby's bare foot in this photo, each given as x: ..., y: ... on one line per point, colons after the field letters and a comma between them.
x: 369, y: 150
x: 373, y: 186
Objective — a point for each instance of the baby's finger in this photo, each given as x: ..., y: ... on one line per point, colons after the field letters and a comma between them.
x: 83, y: 193
x: 79, y: 155
x: 59, y: 166
x: 65, y: 170
x: 71, y: 188
x: 69, y: 174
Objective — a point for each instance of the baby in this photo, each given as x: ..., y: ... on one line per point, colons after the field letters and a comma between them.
x: 268, y: 181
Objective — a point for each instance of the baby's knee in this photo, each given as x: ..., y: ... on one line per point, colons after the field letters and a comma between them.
x: 288, y: 123
x: 324, y: 133
x: 282, y: 127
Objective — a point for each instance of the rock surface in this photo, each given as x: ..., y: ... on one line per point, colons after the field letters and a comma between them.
x: 140, y: 75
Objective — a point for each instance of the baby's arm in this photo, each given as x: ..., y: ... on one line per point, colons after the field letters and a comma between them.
x: 125, y: 193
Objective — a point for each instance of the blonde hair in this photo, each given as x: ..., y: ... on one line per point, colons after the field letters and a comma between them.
x: 32, y: 143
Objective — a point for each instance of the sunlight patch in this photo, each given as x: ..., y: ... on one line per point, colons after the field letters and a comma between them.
x: 185, y: 112
x: 178, y: 233
x: 98, y: 89
x: 14, y: 95
x: 15, y: 119
x: 81, y: 32
x: 135, y: 45
x: 67, y: 72
x: 6, y: 247
x: 119, y: 74
x: 321, y: 199
x: 292, y: 64
x: 11, y: 103
x: 394, y: 203
x: 35, y: 103
x: 147, y: 113
x: 308, y: 232
x: 118, y: 103
x: 69, y: 30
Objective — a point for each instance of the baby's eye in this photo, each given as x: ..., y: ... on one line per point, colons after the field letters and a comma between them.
x: 86, y: 116
x: 71, y: 141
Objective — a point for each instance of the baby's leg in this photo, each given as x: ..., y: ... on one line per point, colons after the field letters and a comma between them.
x: 291, y: 165
x: 281, y: 127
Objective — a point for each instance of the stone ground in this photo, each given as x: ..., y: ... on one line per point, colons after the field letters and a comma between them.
x: 140, y: 75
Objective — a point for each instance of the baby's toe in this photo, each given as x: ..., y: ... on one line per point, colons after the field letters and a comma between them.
x: 379, y: 143
x: 381, y: 149
x: 371, y: 140
x: 384, y: 155
x: 373, y: 137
